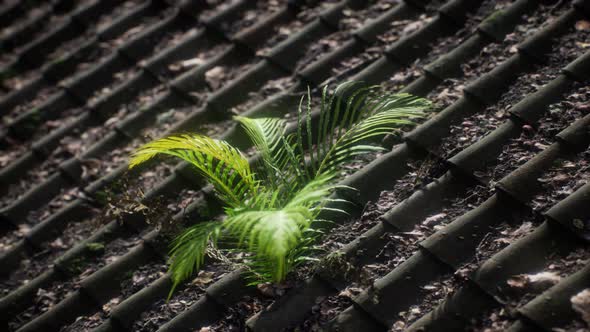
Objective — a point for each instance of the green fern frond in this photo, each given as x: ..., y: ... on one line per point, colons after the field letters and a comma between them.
x: 266, y: 134
x: 314, y: 193
x: 274, y: 218
x: 381, y: 115
x: 261, y: 271
x: 270, y: 234
x: 220, y: 163
x: 187, y: 252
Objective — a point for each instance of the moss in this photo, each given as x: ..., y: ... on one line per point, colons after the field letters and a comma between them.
x: 95, y: 247
x: 75, y: 266
x: 32, y: 120
x: 127, y: 275
x: 7, y: 74
x: 30, y: 123
x: 336, y: 266
x: 494, y: 17
x: 118, y: 186
x: 59, y: 60
x: 204, y: 210
x: 35, y: 114
x: 101, y: 197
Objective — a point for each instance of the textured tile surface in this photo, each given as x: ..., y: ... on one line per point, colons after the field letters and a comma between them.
x: 476, y: 220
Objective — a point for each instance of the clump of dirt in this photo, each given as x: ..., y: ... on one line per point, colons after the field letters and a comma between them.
x: 396, y: 30
x: 326, y: 309
x: 41, y: 97
x: 352, y: 20
x: 100, y: 255
x: 432, y: 295
x: 307, y: 14
x: 523, y: 288
x: 141, y: 278
x: 252, y: 16
x: 271, y: 88
x: 45, y: 300
x: 162, y: 311
x: 499, y: 237
x: 34, y: 264
x: 562, y: 180
x: 238, y: 314
x: 421, y: 172
x: 87, y: 323
x: 179, y: 67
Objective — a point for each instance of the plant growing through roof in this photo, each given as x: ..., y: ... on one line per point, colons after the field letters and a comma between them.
x: 272, y: 206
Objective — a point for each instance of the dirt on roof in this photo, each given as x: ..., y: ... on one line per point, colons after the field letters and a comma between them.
x: 476, y: 220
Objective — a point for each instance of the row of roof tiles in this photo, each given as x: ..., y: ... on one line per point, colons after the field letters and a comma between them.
x: 375, y: 308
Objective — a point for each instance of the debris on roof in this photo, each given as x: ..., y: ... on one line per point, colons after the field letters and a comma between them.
x: 476, y: 220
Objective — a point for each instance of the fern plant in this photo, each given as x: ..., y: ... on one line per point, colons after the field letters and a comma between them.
x: 271, y: 206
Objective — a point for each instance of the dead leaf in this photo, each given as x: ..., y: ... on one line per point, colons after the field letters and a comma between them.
x: 285, y: 31
x: 434, y: 219
x: 541, y: 146
x: 413, y: 313
x: 111, y: 259
x: 524, y: 229
x: 518, y: 281
x: 23, y: 229
x: 581, y: 304
x: 111, y: 121
x: 266, y: 289
x: 192, y: 62
x: 569, y: 164
x: 399, y: 77
x: 214, y: 76
x: 58, y: 244
x: 502, y: 240
x: 549, y: 277
x: 350, y: 292
x: 513, y: 49
x: 411, y: 27
x: 541, y: 280
x: 447, y: 95
x: 583, y: 25
x: 345, y: 293
x: 111, y: 304
x: 5, y: 159
x: 203, y: 278
x: 561, y: 177
x: 42, y: 293
x: 175, y: 67
x: 399, y: 325
x: 137, y: 279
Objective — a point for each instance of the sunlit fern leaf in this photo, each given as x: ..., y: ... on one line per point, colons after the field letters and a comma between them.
x: 220, y: 163
x: 274, y: 220
x: 279, y: 156
x: 261, y: 271
x: 187, y: 252
x: 382, y: 115
x: 266, y: 134
x: 313, y: 194
x: 338, y: 110
x: 271, y: 234
x: 276, y: 238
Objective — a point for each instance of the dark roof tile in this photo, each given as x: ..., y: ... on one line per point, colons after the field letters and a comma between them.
x: 122, y: 66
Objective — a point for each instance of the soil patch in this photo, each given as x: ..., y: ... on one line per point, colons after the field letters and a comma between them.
x: 521, y: 289
x: 162, y: 311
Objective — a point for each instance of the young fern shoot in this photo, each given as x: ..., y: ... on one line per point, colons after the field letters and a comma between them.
x: 270, y: 212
